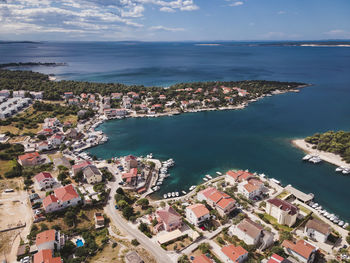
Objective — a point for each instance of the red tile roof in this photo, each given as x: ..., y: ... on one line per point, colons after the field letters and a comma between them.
x: 28, y: 156
x: 202, y: 259
x: 168, y: 215
x: 199, y: 210
x: 233, y: 252
x: 275, y: 259
x: 250, y: 187
x: 66, y: 193
x: 41, y: 176
x: 45, y: 236
x: 301, y: 247
x: 81, y: 165
x: 284, y: 205
x: 225, y: 202
x: 45, y: 256
x: 49, y: 200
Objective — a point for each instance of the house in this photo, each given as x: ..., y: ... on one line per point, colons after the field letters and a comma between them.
x: 92, y: 175
x: 46, y: 132
x: 80, y: 166
x: 49, y: 239
x: 37, y: 95
x: 283, y: 211
x: 56, y: 139
x: 99, y: 220
x: 222, y: 202
x: 168, y: 219
x: 234, y: 254
x: 162, y: 97
x: 131, y: 177
x: 130, y: 162
x: 43, y: 146
x: 202, y: 259
x: 29, y: 159
x: 302, y: 250
x: 197, y: 214
x: 277, y: 259
x: 73, y: 101
x: 317, y: 230
x: 233, y: 177
x: 18, y: 94
x: 252, y: 233
x: 44, y: 180
x: 45, y: 256
x: 63, y: 197
x: 250, y: 190
x: 116, y: 96
x: 4, y: 93
x: 68, y: 95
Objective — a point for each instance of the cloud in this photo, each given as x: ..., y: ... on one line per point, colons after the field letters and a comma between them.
x: 281, y: 12
x: 235, y: 3
x: 163, y: 28
x: 338, y: 33
x: 167, y: 9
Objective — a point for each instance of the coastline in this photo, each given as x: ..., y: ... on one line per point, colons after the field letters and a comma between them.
x: 325, y: 156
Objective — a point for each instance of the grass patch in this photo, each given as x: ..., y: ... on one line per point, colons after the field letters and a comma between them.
x: 304, y: 209
x: 283, y: 194
x: 6, y: 166
x: 272, y: 221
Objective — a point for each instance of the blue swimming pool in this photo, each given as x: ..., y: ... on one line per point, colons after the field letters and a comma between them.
x: 79, y: 243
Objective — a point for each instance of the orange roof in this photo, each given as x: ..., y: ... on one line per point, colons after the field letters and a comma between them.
x: 41, y: 176
x: 46, y: 236
x: 225, y: 202
x: 199, y: 210
x: 208, y: 191
x: 250, y: 187
x: 45, y: 256
x: 244, y: 175
x: 49, y: 200
x: 66, y: 193
x: 28, y: 156
x: 202, y: 259
x: 216, y: 196
x: 233, y: 252
x: 301, y: 247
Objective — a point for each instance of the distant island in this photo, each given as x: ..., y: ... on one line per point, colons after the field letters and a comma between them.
x: 31, y: 64
x: 332, y: 147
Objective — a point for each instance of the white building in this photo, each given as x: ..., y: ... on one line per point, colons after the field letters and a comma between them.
x: 49, y: 239
x: 197, y: 214
x: 317, y: 230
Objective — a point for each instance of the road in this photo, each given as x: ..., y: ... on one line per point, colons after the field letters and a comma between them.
x: 159, y: 254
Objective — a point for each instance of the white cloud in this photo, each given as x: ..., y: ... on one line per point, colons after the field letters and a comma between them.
x: 338, y: 33
x: 238, y: 3
x: 281, y: 12
x: 163, y: 28
x: 167, y: 9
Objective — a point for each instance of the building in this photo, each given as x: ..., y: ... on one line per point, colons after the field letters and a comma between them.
x: 29, y: 159
x: 56, y: 139
x: 197, y: 214
x: 283, y: 211
x: 68, y: 95
x: 92, y: 174
x: 131, y: 178
x: 317, y: 230
x: 130, y: 162
x: 43, y: 146
x: 80, y: 166
x: 252, y: 234
x: 222, y: 202
x: 45, y: 256
x: 62, y: 198
x: 18, y: 94
x: 276, y: 259
x: 202, y: 259
x: 168, y: 219
x: 302, y: 250
x: 251, y: 188
x: 49, y: 239
x: 233, y: 177
x: 99, y: 220
x: 234, y: 254
x: 4, y: 93
x: 37, y: 95
x: 44, y: 180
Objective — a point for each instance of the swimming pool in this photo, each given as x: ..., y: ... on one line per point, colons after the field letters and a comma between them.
x: 79, y: 243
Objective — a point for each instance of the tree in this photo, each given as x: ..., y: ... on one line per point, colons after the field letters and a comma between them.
x: 128, y: 212
x: 284, y: 235
x: 204, y: 247
x: 183, y: 259
x: 135, y: 243
x: 120, y: 191
x: 70, y: 218
x: 143, y: 202
x: 122, y: 203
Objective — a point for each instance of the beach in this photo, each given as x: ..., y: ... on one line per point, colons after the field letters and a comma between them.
x: 325, y: 156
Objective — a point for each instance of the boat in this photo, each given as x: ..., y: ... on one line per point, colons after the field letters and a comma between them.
x: 275, y: 181
x: 184, y: 192
x: 326, y: 214
x: 341, y: 223
x: 165, y: 196
x: 169, y: 194
x: 307, y: 157
x: 346, y: 171
x: 315, y: 159
x: 339, y: 169
x: 173, y: 194
x: 208, y: 176
x: 205, y: 179
x: 177, y: 193
x: 345, y: 225
x: 160, y: 183
x: 314, y: 205
x: 192, y: 187
x: 219, y: 173
x: 336, y: 221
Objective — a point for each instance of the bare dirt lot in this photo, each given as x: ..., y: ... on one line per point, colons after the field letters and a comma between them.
x: 14, y: 210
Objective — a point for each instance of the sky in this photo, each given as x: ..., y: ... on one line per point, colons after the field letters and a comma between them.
x: 174, y: 20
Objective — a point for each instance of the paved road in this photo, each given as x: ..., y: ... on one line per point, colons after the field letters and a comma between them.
x: 159, y: 254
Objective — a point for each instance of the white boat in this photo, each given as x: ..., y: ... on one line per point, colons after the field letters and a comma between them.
x: 336, y: 221
x: 169, y: 194
x: 346, y: 171
x: 160, y: 183
x: 205, y: 179
x: 177, y: 193
x: 314, y: 205
x: 319, y: 208
x: 341, y: 223
x: 184, y: 192
x: 339, y: 169
x: 262, y: 175
x: 345, y: 225
x: 173, y: 194
x: 315, y: 159
x: 275, y: 181
x: 219, y: 173
x: 326, y: 214
x: 208, y: 176
x: 307, y: 157
x: 165, y: 196
x: 192, y: 187
x: 329, y: 216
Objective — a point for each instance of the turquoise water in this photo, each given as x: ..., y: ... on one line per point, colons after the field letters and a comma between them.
x: 79, y: 243
x: 256, y: 138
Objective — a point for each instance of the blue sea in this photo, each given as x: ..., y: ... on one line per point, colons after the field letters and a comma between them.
x: 255, y: 138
